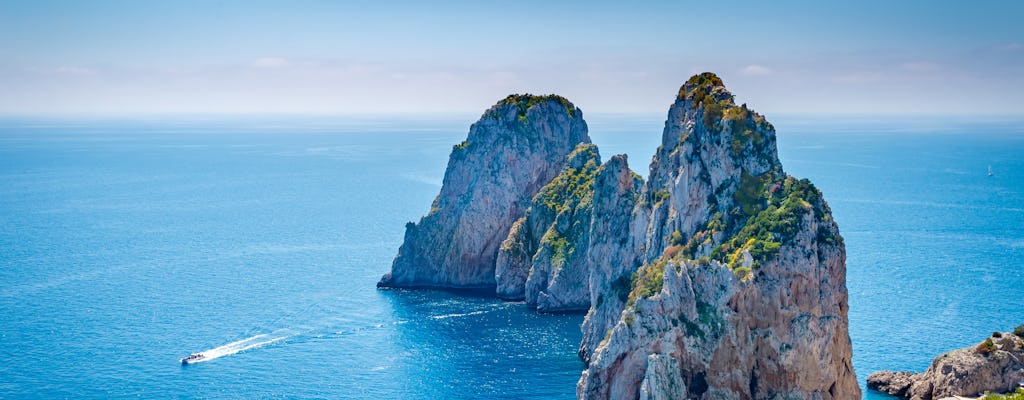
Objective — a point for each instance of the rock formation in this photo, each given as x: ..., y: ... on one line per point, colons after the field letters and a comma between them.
x: 615, y: 252
x: 741, y: 292
x: 719, y: 277
x: 517, y: 147
x: 549, y: 245
x: 995, y: 365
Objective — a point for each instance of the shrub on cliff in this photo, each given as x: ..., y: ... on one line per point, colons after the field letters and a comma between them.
x: 986, y: 347
x: 1019, y: 330
x: 647, y: 281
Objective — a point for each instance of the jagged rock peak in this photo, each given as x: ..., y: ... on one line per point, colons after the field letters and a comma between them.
x: 516, y: 147
x: 704, y: 100
x: 741, y: 291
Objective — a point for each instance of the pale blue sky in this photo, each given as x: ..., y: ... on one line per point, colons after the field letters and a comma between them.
x: 114, y: 57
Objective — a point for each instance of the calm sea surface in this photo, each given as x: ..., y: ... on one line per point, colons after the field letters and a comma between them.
x: 127, y: 244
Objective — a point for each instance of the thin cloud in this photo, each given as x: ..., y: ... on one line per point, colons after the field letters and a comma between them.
x: 859, y: 77
x: 77, y: 71
x: 270, y: 62
x: 756, y: 70
x: 919, y: 66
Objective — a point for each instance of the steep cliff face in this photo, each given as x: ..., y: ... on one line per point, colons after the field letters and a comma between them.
x: 614, y: 248
x: 742, y: 290
x: 543, y: 258
x: 517, y: 147
x: 994, y: 365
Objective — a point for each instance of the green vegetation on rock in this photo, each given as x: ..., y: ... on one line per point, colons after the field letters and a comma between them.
x: 770, y: 226
x: 707, y: 90
x: 660, y: 196
x: 647, y: 281
x: 747, y: 127
x: 773, y: 211
x: 700, y: 90
x: 570, y: 191
x: 769, y: 208
x: 986, y: 347
x: 750, y: 195
x: 561, y: 247
x: 523, y: 102
x: 1017, y: 395
x: 573, y: 185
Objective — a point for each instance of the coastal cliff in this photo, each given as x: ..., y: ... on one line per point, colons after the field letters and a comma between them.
x: 994, y: 365
x: 718, y: 277
x: 741, y: 292
x: 517, y: 147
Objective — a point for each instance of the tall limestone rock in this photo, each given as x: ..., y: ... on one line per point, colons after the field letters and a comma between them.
x: 741, y: 292
x: 517, y: 147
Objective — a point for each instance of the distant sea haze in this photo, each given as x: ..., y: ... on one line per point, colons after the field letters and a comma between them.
x: 129, y: 244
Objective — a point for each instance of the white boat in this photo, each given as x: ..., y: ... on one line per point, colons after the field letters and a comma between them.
x: 193, y: 358
x: 990, y: 170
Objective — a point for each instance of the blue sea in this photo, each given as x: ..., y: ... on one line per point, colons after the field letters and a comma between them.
x: 127, y: 243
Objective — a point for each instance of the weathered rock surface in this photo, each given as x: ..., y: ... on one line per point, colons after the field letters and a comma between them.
x: 518, y: 146
x: 995, y: 365
x: 614, y: 253
x: 549, y: 245
x: 743, y: 276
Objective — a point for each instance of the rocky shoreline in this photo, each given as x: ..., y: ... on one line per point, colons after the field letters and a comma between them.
x: 995, y: 365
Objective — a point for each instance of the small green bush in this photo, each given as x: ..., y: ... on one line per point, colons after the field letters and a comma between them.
x: 712, y: 114
x: 986, y: 347
x: 1019, y: 330
x: 660, y: 195
x: 647, y: 281
x: 676, y: 239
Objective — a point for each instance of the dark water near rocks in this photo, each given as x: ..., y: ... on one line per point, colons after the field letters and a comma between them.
x: 126, y: 244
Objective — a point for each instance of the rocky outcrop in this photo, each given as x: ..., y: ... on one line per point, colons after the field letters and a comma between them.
x: 742, y: 290
x: 720, y: 277
x: 517, y: 147
x: 544, y: 257
x: 994, y: 365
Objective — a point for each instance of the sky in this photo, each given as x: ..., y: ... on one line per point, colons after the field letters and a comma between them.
x: 353, y: 57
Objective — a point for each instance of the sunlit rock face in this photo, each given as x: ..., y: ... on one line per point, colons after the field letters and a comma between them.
x: 741, y: 289
x: 517, y: 147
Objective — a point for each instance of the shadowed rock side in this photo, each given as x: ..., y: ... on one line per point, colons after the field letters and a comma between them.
x: 517, y: 147
x: 994, y: 365
x: 614, y: 250
x: 543, y: 259
x: 742, y: 289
